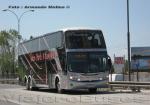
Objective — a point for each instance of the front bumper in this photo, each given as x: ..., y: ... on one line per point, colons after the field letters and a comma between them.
x: 87, y: 84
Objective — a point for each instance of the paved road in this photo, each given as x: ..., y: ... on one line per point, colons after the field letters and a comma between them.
x: 2, y: 102
x: 17, y: 95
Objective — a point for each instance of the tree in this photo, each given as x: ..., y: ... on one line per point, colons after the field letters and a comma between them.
x: 8, y: 42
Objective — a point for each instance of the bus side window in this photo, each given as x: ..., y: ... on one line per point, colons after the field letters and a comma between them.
x: 62, y: 62
x: 54, y: 66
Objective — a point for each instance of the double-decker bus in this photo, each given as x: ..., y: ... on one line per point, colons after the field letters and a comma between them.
x: 66, y: 59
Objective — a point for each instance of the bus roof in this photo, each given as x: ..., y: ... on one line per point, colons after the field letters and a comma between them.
x: 78, y: 28
x: 61, y: 30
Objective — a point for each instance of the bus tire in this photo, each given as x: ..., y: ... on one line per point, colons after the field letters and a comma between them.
x: 34, y: 88
x: 93, y: 90
x: 57, y: 85
x: 30, y: 87
x: 27, y: 85
x: 30, y: 84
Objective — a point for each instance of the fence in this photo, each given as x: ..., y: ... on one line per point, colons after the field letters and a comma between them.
x: 9, y: 79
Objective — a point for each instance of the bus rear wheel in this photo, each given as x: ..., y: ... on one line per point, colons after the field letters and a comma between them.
x: 27, y: 85
x: 93, y: 90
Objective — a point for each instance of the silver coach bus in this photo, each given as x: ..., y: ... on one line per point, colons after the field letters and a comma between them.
x: 66, y: 59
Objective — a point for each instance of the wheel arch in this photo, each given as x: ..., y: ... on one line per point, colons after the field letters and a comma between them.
x: 25, y: 79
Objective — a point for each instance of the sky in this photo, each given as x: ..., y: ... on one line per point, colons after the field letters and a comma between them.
x: 107, y: 15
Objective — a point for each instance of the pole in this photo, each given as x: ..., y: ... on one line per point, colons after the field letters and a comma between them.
x: 18, y: 23
x: 137, y: 66
x: 18, y: 18
x: 18, y: 28
x: 124, y: 68
x: 128, y: 40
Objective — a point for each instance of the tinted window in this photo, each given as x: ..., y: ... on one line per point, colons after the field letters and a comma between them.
x: 84, y: 39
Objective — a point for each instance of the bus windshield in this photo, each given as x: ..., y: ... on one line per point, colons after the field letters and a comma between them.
x: 84, y: 39
x: 91, y: 62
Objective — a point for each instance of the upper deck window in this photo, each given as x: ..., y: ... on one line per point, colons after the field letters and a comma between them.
x: 84, y: 39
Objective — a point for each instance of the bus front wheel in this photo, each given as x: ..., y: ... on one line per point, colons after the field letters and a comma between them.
x: 58, y: 87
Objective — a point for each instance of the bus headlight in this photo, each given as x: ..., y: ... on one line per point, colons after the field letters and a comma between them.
x: 74, y: 78
x: 71, y: 77
x: 100, y: 78
x: 78, y: 79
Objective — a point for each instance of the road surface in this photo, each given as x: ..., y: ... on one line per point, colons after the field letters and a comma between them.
x: 17, y: 95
